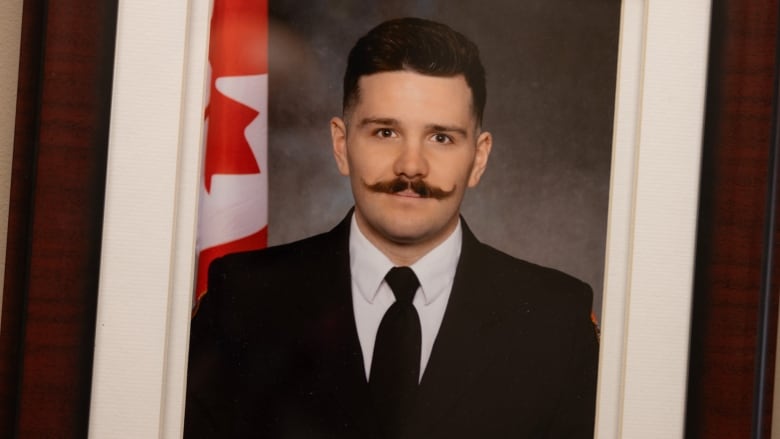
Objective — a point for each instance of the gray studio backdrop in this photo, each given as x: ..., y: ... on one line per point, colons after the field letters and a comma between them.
x: 551, y: 68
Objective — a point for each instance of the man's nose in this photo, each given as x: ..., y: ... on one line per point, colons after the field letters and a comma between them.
x: 411, y: 161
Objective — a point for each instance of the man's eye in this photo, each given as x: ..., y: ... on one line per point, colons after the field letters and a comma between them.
x: 441, y: 138
x: 384, y: 133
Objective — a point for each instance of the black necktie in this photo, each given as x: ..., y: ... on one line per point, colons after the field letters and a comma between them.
x: 395, y: 366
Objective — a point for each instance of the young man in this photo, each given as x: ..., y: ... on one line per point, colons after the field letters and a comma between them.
x: 398, y: 322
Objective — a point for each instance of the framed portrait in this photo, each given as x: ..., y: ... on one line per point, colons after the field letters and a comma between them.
x: 607, y: 196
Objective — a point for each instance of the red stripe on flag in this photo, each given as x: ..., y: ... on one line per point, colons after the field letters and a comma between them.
x: 238, y: 46
x: 238, y: 56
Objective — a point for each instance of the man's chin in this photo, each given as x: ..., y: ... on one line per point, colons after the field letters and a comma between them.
x: 411, y: 222
x: 410, y: 234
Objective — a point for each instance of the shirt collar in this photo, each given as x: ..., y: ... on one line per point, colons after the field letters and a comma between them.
x: 435, y: 270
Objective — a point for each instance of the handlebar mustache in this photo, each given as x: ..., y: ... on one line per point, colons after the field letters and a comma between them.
x: 417, y: 185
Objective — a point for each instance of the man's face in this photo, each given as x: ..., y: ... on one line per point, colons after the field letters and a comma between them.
x: 410, y: 146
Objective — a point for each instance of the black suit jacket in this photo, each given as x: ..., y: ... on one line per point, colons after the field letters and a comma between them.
x: 274, y: 351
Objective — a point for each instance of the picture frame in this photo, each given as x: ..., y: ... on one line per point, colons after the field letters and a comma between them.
x: 147, y: 262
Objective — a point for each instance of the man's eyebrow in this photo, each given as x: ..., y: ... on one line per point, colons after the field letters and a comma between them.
x: 448, y: 129
x: 378, y: 121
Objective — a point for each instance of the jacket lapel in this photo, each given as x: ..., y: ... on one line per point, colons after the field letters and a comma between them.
x: 341, y: 357
x: 466, y: 340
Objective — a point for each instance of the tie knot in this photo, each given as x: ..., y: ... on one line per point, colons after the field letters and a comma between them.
x: 403, y: 282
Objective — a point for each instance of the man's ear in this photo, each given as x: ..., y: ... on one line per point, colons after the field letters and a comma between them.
x: 484, y: 145
x: 338, y: 136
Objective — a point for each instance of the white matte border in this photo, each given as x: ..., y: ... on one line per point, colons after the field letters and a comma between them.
x: 652, y: 221
x: 147, y: 260
x: 148, y: 237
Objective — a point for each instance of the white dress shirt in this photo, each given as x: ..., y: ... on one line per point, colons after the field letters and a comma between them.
x: 371, y: 296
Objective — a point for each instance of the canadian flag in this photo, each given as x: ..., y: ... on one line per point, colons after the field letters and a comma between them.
x: 233, y: 208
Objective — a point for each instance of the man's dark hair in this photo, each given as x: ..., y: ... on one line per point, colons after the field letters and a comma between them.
x: 417, y: 45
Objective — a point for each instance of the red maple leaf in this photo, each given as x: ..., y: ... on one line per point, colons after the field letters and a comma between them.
x: 238, y: 46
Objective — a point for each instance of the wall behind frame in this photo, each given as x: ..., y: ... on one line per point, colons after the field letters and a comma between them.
x: 10, y: 35
x: 551, y: 82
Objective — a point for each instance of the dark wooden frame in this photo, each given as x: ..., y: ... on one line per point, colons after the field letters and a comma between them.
x: 56, y: 213
x: 735, y: 304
